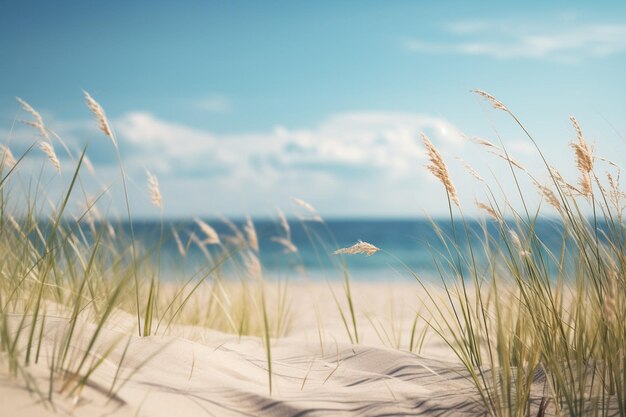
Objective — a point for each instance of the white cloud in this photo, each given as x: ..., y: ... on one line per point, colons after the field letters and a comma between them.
x: 356, y: 162
x: 361, y: 142
x: 565, y: 41
x: 359, y: 162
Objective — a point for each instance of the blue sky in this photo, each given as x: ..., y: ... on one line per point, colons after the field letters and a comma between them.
x: 236, y: 106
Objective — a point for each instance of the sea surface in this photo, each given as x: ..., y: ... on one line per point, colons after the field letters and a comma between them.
x: 409, y: 247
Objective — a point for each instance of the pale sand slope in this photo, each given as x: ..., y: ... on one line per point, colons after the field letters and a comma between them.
x: 202, y: 372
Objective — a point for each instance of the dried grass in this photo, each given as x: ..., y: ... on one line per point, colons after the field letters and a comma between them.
x: 358, y: 248
x: 439, y: 169
x: 47, y: 149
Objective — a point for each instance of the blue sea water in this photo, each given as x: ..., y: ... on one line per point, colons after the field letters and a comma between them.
x: 408, y: 246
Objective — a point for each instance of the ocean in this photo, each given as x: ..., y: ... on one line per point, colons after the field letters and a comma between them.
x: 408, y: 246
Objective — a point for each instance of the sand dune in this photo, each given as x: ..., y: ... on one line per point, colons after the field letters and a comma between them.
x: 194, y: 372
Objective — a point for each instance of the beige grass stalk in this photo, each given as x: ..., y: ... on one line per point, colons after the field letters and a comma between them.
x: 616, y: 195
x: 155, y: 192
x: 38, y: 123
x: 439, y: 169
x: 495, y: 103
x: 237, y: 239
x: 7, y: 157
x: 211, y: 236
x: 179, y: 243
x: 470, y: 170
x: 584, y: 159
x: 488, y: 209
x: 98, y: 112
x: 284, y: 223
x: 47, y: 149
x: 308, y: 207
x: 105, y: 127
x: 549, y: 196
x: 285, y: 243
x: 253, y: 240
x: 509, y: 159
x: 485, y: 142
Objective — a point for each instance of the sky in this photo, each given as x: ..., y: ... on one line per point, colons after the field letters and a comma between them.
x: 237, y: 106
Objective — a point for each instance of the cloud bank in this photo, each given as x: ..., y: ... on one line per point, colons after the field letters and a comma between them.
x: 566, y: 42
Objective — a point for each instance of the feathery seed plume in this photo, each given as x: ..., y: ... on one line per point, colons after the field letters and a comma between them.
x: 608, y: 161
x: 49, y: 151
x: 359, y: 247
x: 7, y: 157
x: 201, y: 245
x: 315, y: 216
x: 212, y: 238
x: 471, y: 170
x: 518, y: 244
x: 550, y: 197
x: 38, y: 123
x: 584, y: 159
x: 439, y: 169
x: 284, y: 223
x: 508, y: 159
x: 285, y: 243
x: 515, y: 239
x: 155, y: 191
x: 495, y: 103
x: 253, y: 241
x: 615, y: 192
x: 485, y: 142
x: 585, y: 185
x: 98, y: 112
x: 179, y: 243
x: 238, y: 239
x: 488, y: 209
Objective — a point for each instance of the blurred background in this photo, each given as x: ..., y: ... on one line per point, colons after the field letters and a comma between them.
x: 236, y: 106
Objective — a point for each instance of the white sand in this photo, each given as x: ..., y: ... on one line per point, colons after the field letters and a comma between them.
x: 202, y: 372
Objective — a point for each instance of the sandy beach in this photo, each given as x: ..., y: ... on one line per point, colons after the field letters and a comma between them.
x: 316, y: 370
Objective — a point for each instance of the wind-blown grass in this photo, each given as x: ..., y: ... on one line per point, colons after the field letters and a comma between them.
x: 518, y: 317
x: 77, y: 268
x: 539, y: 331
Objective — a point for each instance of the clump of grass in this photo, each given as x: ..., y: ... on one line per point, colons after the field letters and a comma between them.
x: 66, y: 277
x: 529, y: 311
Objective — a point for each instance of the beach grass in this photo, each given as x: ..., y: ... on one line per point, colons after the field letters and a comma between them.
x: 77, y: 267
x: 530, y: 315
x: 538, y: 331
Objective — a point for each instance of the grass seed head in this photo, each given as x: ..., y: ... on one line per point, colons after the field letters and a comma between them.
x: 285, y: 243
x: 211, y: 236
x: 439, y: 169
x: 52, y: 156
x: 584, y: 159
x: 495, y: 103
x: 253, y: 240
x: 8, y: 159
x: 38, y: 123
x: 488, y: 209
x: 98, y: 112
x: 155, y: 192
x: 360, y: 247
